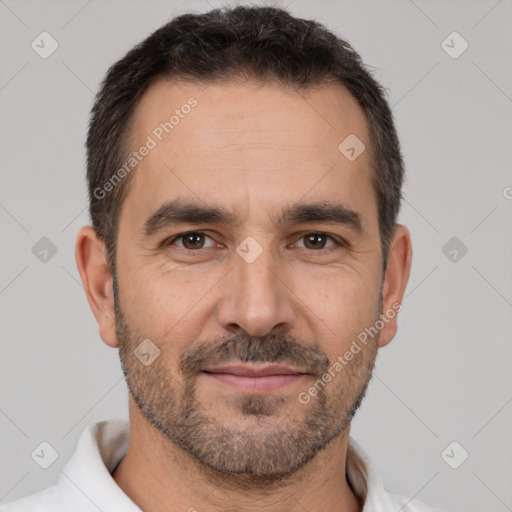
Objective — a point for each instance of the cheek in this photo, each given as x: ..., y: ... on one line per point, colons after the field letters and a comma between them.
x: 168, y: 308
x: 342, y: 306
x: 340, y: 294
x: 160, y: 294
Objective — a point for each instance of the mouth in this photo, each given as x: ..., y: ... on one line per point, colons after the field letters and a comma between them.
x: 251, y: 378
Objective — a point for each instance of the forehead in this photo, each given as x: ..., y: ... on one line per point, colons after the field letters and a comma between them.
x: 246, y: 140
x: 317, y: 117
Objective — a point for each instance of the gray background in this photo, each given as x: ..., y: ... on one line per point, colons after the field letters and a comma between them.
x: 445, y: 377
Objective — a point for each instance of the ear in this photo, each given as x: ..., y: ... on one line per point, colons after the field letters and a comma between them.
x: 395, y: 281
x: 97, y: 281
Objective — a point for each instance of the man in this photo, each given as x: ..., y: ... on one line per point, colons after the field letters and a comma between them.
x: 244, y: 180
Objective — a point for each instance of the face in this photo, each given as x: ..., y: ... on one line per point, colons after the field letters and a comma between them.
x: 268, y: 252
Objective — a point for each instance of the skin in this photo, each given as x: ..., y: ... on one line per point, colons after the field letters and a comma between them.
x: 197, y: 443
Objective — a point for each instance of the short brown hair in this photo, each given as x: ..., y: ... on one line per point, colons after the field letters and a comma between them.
x: 264, y: 43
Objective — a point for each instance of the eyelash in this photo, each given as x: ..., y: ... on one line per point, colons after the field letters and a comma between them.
x: 169, y: 241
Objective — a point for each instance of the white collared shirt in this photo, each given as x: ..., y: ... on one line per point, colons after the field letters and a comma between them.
x: 86, y: 484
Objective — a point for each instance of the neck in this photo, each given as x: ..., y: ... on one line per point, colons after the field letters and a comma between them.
x: 159, y: 476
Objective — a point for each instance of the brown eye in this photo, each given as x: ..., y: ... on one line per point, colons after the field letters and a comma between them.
x: 316, y: 241
x: 191, y: 241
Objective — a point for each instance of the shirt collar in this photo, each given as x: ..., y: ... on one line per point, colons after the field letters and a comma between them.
x: 100, y: 447
x: 365, y: 481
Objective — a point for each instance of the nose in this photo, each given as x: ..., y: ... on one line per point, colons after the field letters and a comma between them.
x: 257, y: 296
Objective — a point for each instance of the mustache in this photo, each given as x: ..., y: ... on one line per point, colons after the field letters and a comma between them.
x: 247, y: 349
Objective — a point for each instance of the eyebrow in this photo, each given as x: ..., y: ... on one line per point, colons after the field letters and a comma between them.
x: 178, y: 211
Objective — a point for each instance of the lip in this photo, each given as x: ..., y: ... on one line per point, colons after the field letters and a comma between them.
x: 254, y: 379
x: 255, y: 371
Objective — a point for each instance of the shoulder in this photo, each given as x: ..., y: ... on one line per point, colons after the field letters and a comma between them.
x: 85, y: 484
x: 366, y: 482
x: 43, y: 501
